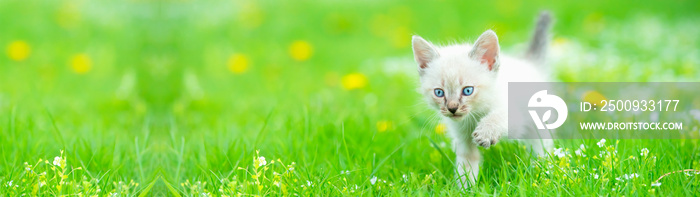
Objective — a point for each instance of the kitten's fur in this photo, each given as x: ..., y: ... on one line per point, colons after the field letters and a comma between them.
x: 482, y: 117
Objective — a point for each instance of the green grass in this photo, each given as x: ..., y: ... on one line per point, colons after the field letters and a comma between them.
x: 159, y: 111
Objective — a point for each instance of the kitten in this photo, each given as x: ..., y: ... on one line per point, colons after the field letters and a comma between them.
x: 468, y: 85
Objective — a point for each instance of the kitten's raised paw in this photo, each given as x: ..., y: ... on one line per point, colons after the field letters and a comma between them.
x: 485, y: 137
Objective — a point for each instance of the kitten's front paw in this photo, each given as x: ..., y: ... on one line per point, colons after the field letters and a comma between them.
x: 485, y: 136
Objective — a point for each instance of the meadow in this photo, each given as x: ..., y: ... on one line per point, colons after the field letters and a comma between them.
x: 310, y: 98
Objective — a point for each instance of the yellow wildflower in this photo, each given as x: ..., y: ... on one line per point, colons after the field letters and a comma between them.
x: 440, y: 128
x: 354, y: 81
x: 383, y: 125
x: 593, y: 97
x: 559, y: 41
x: 238, y: 63
x: 18, y: 50
x: 300, y: 50
x: 81, y: 63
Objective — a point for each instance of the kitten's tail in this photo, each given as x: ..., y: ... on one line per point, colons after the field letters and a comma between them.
x: 537, y: 50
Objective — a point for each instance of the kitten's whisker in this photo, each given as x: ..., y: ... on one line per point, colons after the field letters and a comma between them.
x: 432, y: 120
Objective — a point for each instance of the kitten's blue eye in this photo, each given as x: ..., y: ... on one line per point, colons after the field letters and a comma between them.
x: 469, y: 90
x: 439, y: 92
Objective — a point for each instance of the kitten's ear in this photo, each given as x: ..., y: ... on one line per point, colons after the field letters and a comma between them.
x: 486, y: 50
x: 423, y: 52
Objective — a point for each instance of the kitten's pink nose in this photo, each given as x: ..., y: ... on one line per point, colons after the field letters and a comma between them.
x: 452, y: 106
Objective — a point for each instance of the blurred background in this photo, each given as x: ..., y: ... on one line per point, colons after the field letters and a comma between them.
x: 143, y: 87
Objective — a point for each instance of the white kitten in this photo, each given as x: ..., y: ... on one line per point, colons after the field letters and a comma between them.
x: 468, y: 84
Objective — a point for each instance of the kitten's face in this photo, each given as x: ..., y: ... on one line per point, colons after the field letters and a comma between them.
x: 457, y: 80
x: 454, y: 85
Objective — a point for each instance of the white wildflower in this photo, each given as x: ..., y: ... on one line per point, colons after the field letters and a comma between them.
x: 261, y: 161
x: 657, y: 184
x: 632, y: 176
x: 601, y: 143
x: 695, y: 113
x: 595, y: 176
x: 373, y: 180
x: 644, y: 152
x: 580, y: 150
x: 559, y: 152
x: 627, y: 177
x: 309, y: 183
x: 57, y: 161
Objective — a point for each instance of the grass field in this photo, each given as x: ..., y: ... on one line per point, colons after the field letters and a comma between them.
x: 309, y: 98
